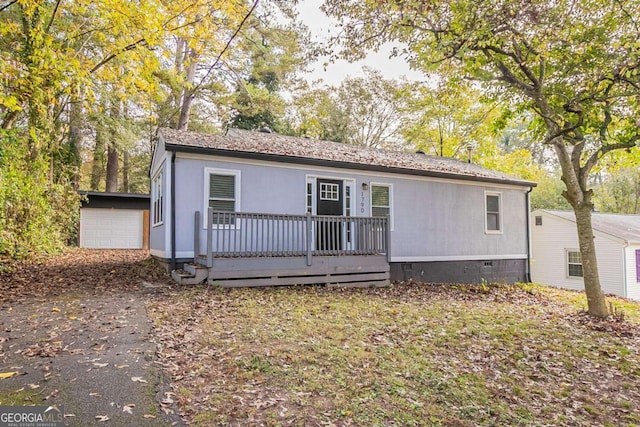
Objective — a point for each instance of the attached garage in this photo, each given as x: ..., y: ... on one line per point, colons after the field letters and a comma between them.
x: 114, y: 221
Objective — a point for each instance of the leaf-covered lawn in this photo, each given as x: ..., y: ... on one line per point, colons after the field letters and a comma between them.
x: 407, y: 355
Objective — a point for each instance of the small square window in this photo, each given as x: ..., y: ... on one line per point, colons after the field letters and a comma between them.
x: 538, y: 220
x: 329, y: 191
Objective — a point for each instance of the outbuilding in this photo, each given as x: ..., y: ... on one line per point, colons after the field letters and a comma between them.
x: 114, y: 221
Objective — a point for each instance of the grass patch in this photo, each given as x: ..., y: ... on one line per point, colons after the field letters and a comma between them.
x: 406, y: 355
x: 21, y: 397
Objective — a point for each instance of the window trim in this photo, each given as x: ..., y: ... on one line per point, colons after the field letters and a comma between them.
x: 566, y: 263
x: 219, y: 171
x: 329, y: 191
x: 500, y: 213
x: 157, y: 199
x: 371, y: 206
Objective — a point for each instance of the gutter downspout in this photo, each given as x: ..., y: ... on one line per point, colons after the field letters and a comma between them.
x: 528, y: 208
x: 173, y: 210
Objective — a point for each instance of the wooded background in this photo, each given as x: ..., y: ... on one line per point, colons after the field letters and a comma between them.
x: 85, y: 84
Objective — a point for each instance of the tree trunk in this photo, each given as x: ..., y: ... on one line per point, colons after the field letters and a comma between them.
x: 75, y: 137
x: 97, y: 168
x: 112, y: 169
x: 595, y: 297
x: 112, y: 152
x: 579, y: 196
x: 125, y: 172
x: 188, y: 94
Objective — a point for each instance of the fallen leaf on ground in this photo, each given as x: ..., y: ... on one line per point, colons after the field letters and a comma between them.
x: 148, y: 416
x: 54, y: 393
x: 138, y: 380
x: 128, y: 408
x: 102, y: 418
x: 121, y: 366
x: 55, y: 309
x: 100, y: 365
x: 4, y: 375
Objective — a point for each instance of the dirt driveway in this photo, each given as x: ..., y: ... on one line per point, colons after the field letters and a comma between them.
x: 75, y: 327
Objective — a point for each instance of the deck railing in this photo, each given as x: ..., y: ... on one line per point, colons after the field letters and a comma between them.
x: 240, y: 234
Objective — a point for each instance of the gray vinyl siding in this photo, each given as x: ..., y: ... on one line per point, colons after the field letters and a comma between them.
x: 431, y: 218
x: 158, y: 233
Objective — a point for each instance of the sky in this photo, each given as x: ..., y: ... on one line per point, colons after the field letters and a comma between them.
x: 321, y: 27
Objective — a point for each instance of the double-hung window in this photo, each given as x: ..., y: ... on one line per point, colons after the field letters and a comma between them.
x: 156, y: 200
x: 223, y: 190
x: 382, y: 202
x: 574, y: 263
x: 493, y: 212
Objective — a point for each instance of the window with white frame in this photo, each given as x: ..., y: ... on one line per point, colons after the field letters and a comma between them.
x: 493, y: 209
x: 574, y: 263
x: 329, y: 191
x: 156, y: 201
x: 223, y: 189
x: 382, y: 201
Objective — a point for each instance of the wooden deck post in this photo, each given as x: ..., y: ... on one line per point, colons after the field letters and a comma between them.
x: 196, y: 236
x: 209, y: 238
x: 388, y: 238
x: 309, y: 252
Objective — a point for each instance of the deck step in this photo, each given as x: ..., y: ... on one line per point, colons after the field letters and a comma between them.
x: 192, y: 274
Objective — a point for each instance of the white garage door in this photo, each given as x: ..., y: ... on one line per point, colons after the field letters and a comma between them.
x: 111, y: 228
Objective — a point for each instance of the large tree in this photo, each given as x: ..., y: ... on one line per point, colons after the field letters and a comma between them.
x: 574, y: 63
x: 369, y: 110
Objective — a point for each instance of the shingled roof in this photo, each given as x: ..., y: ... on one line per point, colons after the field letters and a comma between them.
x: 289, y: 149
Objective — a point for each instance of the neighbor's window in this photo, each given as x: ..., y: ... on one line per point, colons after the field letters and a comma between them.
x: 574, y: 264
x: 156, y: 200
x: 538, y: 220
x: 493, y: 210
x: 223, y: 191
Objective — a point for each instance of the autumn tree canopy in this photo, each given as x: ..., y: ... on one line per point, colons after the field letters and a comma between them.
x: 574, y: 63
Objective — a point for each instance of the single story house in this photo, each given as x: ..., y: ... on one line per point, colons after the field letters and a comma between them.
x: 114, y: 221
x: 556, y: 259
x: 257, y: 208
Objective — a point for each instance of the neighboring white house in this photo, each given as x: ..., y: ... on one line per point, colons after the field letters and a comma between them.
x: 556, y: 259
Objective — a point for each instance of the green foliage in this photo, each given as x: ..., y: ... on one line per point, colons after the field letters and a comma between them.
x: 369, y: 111
x: 37, y: 215
x: 620, y: 193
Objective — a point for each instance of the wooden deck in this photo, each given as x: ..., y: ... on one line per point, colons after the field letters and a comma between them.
x: 365, y: 270
x: 276, y: 250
